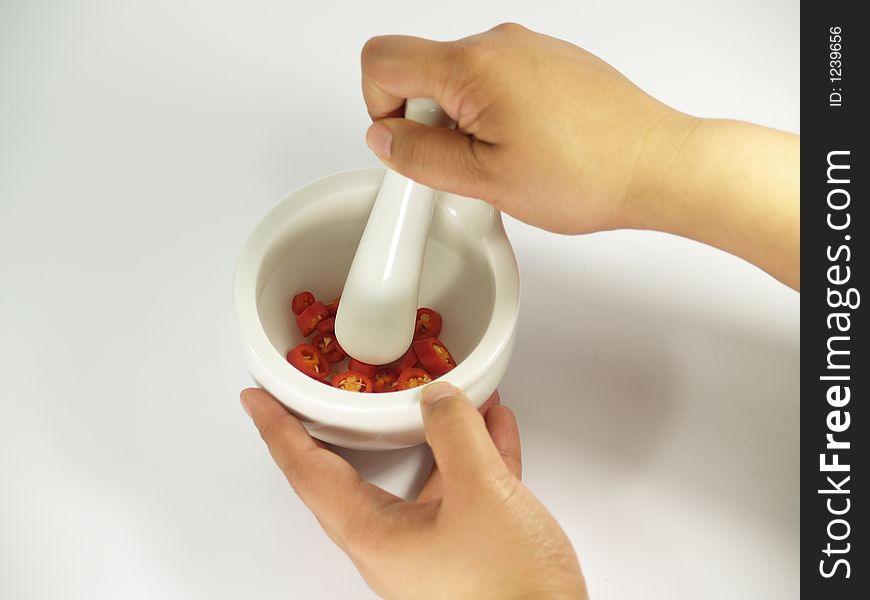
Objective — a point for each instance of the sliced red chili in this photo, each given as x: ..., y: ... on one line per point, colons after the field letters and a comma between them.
x: 413, y: 377
x: 328, y: 346
x: 301, y: 301
x: 308, y: 319
x: 386, y: 379
x: 332, y: 306
x: 315, y: 359
x: 309, y: 360
x: 408, y: 360
x: 326, y: 325
x: 361, y: 367
x: 352, y: 381
x: 428, y: 324
x: 434, y: 356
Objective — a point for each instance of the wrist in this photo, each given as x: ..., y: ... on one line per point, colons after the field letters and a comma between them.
x: 656, y: 198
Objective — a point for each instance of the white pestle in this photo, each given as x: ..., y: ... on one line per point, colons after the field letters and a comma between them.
x: 378, y: 308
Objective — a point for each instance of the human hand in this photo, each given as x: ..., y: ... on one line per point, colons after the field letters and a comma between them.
x: 474, y: 531
x: 546, y: 131
x: 556, y: 137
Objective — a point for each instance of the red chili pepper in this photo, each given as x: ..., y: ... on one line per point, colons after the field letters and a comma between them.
x: 326, y: 325
x: 413, y: 377
x: 308, y: 319
x: 328, y: 346
x: 332, y: 306
x: 434, y: 356
x: 301, y: 301
x: 361, y: 367
x: 309, y: 360
x: 352, y: 381
x: 408, y: 360
x: 386, y: 379
x: 428, y: 324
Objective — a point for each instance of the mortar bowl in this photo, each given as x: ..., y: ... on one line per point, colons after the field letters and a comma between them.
x: 308, y: 241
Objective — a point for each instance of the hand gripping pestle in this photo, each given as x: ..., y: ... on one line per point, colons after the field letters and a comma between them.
x: 378, y: 308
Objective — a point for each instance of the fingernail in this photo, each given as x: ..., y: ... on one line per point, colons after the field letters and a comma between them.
x: 246, y: 403
x: 434, y: 392
x: 380, y: 138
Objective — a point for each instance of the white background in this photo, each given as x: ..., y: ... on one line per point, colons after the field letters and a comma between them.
x: 655, y: 380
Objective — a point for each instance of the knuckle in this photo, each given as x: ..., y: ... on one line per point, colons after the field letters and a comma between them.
x: 370, y: 49
x: 508, y: 27
x: 483, y: 49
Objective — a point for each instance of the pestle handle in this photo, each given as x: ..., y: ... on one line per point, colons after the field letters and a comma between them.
x: 427, y: 112
x: 378, y: 308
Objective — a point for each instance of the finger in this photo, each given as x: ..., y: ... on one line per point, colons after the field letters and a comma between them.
x: 460, y: 442
x: 433, y: 488
x: 328, y: 485
x: 493, y: 400
x: 502, y: 426
x: 395, y: 67
x: 441, y: 158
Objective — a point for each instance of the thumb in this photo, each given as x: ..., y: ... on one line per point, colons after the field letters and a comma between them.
x: 442, y: 158
x: 464, y: 452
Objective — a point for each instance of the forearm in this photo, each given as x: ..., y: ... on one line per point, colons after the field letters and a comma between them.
x: 729, y: 184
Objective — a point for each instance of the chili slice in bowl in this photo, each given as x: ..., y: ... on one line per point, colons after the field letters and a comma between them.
x: 413, y: 377
x: 428, y: 323
x: 326, y: 325
x: 308, y: 319
x: 361, y: 367
x: 408, y: 360
x: 386, y: 380
x: 352, y: 381
x: 328, y: 346
x: 311, y: 361
x: 332, y: 306
x: 425, y: 360
x: 434, y: 356
x: 301, y: 301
